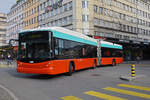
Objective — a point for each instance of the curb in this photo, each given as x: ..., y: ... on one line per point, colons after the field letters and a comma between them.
x: 129, y: 78
x: 9, y: 94
x: 138, y: 64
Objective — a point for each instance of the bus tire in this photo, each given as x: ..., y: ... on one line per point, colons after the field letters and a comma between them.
x: 95, y: 64
x: 71, y: 69
x: 113, y: 62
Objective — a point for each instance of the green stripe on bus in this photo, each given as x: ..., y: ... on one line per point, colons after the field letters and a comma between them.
x: 77, y: 39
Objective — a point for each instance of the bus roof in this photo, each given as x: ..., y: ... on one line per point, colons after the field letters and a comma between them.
x: 58, y: 31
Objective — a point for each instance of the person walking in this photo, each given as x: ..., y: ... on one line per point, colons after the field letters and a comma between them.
x: 8, y: 59
x: 138, y: 59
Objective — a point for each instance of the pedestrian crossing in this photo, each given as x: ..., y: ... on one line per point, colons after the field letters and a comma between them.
x: 127, y: 92
x: 71, y: 98
x: 135, y: 87
x: 104, y: 96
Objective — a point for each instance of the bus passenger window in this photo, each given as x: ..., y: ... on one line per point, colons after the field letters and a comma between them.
x: 83, y: 51
x: 107, y: 53
x: 56, y: 46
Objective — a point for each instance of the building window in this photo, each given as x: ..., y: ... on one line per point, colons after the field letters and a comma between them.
x: 96, y: 21
x: 34, y: 19
x: 70, y: 18
x: 43, y: 6
x: 56, y: 22
x: 60, y: 21
x: 60, y: 9
x: 118, y: 4
x: 70, y: 5
x: 85, y: 4
x: 35, y: 10
x: 85, y: 31
x: 40, y: 7
x: 65, y: 20
x: 95, y: 8
x: 110, y: 13
x: 52, y: 23
x: 100, y: 1
x: 106, y: 12
x: 101, y: 10
x: 115, y: 3
x: 65, y: 7
x: 85, y: 18
x: 56, y: 11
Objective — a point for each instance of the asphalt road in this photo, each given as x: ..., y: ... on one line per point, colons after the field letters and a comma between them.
x: 89, y: 84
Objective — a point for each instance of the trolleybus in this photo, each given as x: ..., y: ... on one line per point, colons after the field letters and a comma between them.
x: 56, y: 50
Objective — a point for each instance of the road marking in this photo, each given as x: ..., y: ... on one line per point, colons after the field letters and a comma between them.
x: 132, y: 93
x: 70, y: 98
x: 6, y: 66
x: 103, y: 96
x: 9, y: 92
x: 3, y: 66
x: 135, y: 87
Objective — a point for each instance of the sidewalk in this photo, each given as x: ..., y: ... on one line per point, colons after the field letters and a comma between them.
x: 137, y: 62
x: 141, y: 76
x: 4, y: 63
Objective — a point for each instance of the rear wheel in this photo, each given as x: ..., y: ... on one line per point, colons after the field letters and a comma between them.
x: 95, y: 64
x: 71, y: 69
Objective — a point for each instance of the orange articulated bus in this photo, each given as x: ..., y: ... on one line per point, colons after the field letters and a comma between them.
x: 57, y: 50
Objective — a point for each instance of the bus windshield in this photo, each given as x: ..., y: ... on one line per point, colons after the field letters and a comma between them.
x: 34, y: 46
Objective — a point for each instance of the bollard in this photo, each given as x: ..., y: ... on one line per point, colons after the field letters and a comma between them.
x: 133, y: 71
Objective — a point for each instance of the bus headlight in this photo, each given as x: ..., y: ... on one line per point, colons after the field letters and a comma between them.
x: 47, y: 64
x: 51, y: 68
x: 20, y: 64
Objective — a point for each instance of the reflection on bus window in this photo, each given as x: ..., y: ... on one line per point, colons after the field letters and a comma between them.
x: 65, y: 49
x: 109, y: 52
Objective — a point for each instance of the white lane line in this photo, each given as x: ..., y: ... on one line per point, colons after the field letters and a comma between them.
x: 9, y: 92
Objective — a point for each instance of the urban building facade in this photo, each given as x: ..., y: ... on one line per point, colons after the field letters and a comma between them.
x: 31, y: 9
x: 15, y: 20
x: 3, y: 25
x: 56, y: 13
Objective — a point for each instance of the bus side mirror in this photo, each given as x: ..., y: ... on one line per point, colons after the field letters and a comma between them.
x: 12, y: 42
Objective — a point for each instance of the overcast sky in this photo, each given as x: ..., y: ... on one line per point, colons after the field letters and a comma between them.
x: 5, y: 5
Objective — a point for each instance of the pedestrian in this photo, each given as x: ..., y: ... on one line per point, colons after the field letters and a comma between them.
x: 138, y: 59
x: 8, y: 59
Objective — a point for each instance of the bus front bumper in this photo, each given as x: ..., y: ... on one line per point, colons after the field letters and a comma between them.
x: 34, y: 70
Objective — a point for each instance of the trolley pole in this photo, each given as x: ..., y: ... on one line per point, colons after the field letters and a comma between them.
x: 132, y: 71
